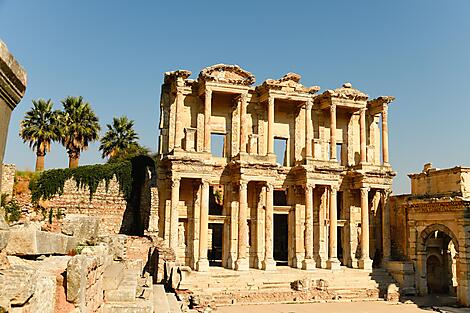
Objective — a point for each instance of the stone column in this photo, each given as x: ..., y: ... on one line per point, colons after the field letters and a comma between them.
x: 242, y: 262
x: 207, y: 120
x: 333, y: 132
x: 203, y: 263
x: 179, y: 117
x: 308, y: 129
x: 386, y: 240
x: 365, y: 262
x: 174, y: 218
x: 243, y: 132
x: 308, y: 262
x: 363, y: 135
x: 385, y: 133
x: 270, y: 125
x: 269, y: 264
x: 333, y: 262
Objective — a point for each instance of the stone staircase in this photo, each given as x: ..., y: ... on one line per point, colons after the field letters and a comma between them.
x: 165, y: 302
x: 222, y: 286
x: 125, y: 290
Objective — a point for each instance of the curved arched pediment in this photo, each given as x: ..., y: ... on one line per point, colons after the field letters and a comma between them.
x: 229, y: 74
x: 428, y: 231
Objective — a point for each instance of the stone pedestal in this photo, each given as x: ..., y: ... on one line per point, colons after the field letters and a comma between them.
x: 333, y: 264
x: 308, y: 264
x: 365, y: 264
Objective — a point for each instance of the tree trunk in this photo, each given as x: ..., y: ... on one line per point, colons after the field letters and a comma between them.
x: 73, y: 160
x: 39, y: 162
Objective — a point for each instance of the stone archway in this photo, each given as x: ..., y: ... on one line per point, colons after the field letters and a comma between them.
x: 432, y: 274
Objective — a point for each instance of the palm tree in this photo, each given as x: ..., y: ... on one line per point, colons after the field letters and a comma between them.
x: 40, y: 127
x: 79, y: 127
x: 119, y: 138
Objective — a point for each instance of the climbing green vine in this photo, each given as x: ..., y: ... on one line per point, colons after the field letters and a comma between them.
x: 51, y: 182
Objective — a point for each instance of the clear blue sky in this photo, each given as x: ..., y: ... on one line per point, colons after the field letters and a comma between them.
x: 114, y: 53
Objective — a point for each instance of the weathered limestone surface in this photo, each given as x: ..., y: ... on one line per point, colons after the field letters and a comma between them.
x: 31, y: 241
x: 335, y: 148
x: 430, y: 233
x: 12, y: 89
x: 83, y: 228
x: 8, y: 179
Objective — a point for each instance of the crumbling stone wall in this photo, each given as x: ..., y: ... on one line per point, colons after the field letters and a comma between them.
x: 8, y: 178
x: 108, y: 204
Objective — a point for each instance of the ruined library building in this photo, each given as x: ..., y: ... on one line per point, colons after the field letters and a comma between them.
x: 259, y: 176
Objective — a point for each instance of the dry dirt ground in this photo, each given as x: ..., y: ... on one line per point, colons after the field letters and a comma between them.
x: 344, y: 307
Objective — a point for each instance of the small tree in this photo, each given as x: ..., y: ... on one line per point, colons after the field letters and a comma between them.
x: 40, y: 127
x: 79, y: 127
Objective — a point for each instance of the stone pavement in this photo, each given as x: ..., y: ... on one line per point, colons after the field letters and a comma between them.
x: 338, y: 307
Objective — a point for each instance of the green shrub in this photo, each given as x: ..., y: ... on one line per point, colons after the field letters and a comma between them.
x: 51, y: 182
x: 12, y: 211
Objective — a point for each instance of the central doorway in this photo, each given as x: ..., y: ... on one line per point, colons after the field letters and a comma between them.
x: 280, y: 239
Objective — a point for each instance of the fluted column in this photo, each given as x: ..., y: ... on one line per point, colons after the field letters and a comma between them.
x: 385, y: 134
x: 179, y: 117
x: 203, y: 263
x: 308, y: 263
x: 386, y: 240
x: 270, y: 125
x: 363, y: 135
x: 242, y: 262
x: 333, y: 262
x: 175, y: 198
x: 207, y: 120
x: 333, y: 132
x: 243, y: 132
x: 268, y: 262
x: 365, y: 262
x: 308, y: 129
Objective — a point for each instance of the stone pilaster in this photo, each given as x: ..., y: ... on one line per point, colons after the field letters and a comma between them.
x: 207, y: 120
x: 333, y: 132
x: 242, y: 261
x: 175, y: 198
x: 203, y: 264
x: 385, y: 134
x: 233, y: 248
x: 268, y: 262
x: 365, y: 262
x: 271, y: 125
x: 386, y: 238
x: 308, y: 263
x: 362, y: 121
x: 243, y: 124
x: 333, y: 262
x: 179, y: 120
x: 308, y: 129
x: 319, y: 229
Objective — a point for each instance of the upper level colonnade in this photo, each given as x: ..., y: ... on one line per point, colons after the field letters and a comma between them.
x: 339, y: 125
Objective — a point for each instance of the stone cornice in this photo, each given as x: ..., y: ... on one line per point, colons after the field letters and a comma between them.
x: 13, y: 78
x: 380, y: 101
x: 346, y: 92
x: 288, y: 83
x: 228, y: 74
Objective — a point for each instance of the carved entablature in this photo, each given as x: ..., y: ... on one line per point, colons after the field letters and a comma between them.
x: 377, y: 105
x: 346, y: 96
x: 287, y: 87
x: 226, y: 74
x: 171, y: 77
x: 437, y: 206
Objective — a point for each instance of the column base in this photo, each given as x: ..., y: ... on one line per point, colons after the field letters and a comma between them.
x: 297, y: 261
x: 365, y: 264
x: 202, y: 265
x: 241, y: 265
x: 269, y: 265
x: 320, y: 262
x: 308, y: 264
x: 231, y: 261
x: 333, y: 264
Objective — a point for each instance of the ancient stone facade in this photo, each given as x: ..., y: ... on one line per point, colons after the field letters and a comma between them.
x: 431, y: 232
x: 251, y: 176
x: 8, y: 179
x: 12, y: 89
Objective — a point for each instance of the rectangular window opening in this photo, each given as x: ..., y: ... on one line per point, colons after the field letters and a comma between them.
x: 280, y: 197
x: 339, y: 152
x: 218, y: 144
x: 280, y: 149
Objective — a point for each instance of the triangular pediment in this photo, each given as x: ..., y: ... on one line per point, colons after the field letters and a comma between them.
x: 228, y: 74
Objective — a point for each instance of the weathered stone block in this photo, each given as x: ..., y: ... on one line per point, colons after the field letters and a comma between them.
x: 83, y: 228
x: 17, y: 284
x: 30, y: 241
